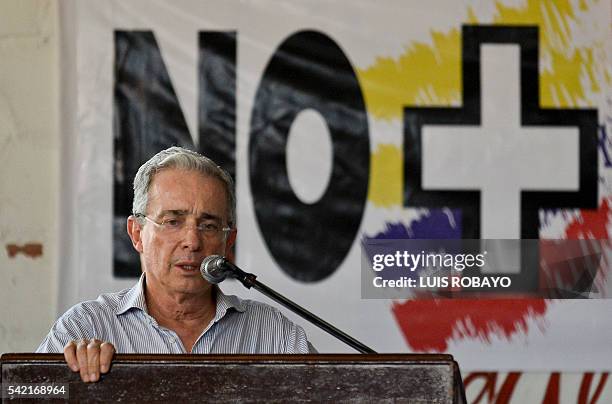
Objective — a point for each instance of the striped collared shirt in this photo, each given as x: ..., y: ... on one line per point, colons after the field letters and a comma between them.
x: 239, y: 326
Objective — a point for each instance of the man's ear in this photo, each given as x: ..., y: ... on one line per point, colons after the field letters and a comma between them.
x: 229, y: 244
x: 134, y: 228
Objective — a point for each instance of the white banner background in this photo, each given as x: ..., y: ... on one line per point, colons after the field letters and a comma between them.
x: 572, y: 336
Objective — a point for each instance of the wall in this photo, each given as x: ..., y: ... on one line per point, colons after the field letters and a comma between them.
x: 29, y: 173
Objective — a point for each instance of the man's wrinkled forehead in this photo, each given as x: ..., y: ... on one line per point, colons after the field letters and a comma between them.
x: 158, y: 190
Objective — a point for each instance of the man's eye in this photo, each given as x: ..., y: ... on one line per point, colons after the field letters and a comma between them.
x: 209, y: 227
x: 172, y: 222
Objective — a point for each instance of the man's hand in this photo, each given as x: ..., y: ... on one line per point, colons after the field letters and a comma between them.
x: 89, y: 357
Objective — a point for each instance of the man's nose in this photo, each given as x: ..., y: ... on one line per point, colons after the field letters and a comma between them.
x: 192, y: 238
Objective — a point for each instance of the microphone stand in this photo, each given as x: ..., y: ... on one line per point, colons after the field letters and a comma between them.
x: 249, y: 280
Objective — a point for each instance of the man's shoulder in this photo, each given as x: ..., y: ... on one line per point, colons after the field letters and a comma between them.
x: 259, y: 310
x: 105, y: 304
x: 244, y: 305
x: 255, y: 305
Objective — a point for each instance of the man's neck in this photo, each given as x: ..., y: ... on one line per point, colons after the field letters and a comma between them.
x: 180, y: 308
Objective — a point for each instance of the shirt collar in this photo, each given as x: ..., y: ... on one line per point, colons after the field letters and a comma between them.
x: 135, y: 298
x: 225, y: 303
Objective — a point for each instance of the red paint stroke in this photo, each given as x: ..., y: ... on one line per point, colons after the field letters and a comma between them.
x: 560, y: 259
x: 429, y: 325
x: 593, y: 224
x: 32, y: 250
x: 590, y: 224
x: 573, y: 265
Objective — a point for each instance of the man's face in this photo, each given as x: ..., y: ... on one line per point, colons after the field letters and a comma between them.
x: 172, y: 259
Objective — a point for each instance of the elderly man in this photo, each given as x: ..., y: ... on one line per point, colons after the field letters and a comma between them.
x: 183, y: 211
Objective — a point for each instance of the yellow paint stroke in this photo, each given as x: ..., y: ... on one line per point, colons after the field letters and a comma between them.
x: 572, y: 68
x: 386, y: 178
x: 430, y: 74
x: 423, y: 75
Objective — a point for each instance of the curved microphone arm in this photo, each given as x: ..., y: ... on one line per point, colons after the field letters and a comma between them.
x: 216, y: 268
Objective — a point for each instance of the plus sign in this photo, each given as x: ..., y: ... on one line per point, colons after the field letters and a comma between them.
x: 500, y: 157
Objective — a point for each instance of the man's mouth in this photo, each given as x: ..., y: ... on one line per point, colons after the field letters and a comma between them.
x: 188, y: 266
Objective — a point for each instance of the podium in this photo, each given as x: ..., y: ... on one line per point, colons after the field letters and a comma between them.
x: 387, y: 378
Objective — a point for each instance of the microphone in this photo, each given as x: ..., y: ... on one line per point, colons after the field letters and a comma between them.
x: 216, y: 268
x: 213, y: 269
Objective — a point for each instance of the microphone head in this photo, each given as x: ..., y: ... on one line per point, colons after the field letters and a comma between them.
x: 213, y: 269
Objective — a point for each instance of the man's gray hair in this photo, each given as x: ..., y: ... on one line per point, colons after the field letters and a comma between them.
x: 178, y: 157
